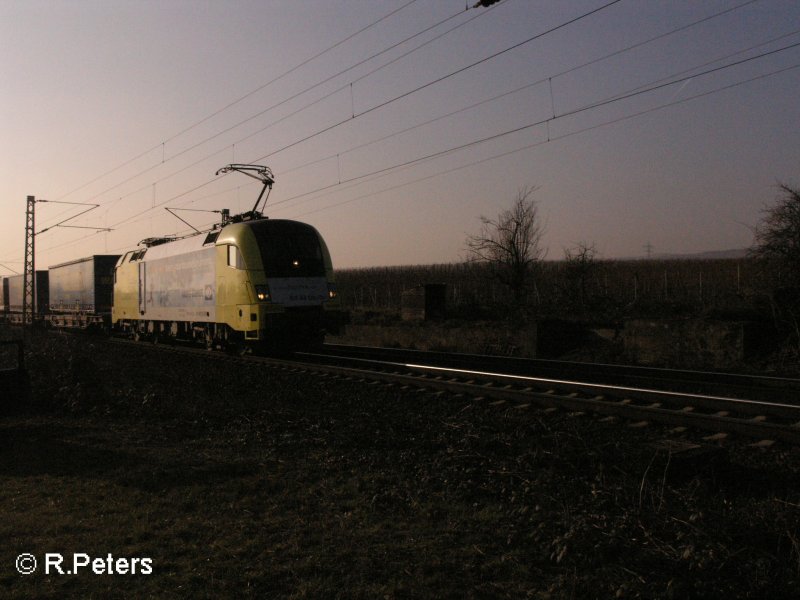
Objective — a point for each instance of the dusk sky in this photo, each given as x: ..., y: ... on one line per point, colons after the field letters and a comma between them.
x: 393, y: 125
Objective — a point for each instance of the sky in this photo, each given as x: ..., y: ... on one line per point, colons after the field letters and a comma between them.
x: 392, y: 126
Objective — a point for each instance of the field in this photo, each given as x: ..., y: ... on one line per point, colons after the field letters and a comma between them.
x: 242, y: 483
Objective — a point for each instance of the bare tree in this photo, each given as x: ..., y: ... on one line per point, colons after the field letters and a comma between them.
x: 777, y: 236
x: 512, y: 244
x: 581, y: 263
x: 777, y: 248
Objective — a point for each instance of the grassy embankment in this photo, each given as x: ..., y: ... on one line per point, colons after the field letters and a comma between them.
x: 261, y: 484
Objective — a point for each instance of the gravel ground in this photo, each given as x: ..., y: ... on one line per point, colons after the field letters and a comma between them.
x: 237, y: 482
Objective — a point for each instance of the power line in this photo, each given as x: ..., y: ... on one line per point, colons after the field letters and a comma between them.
x: 280, y: 103
x: 543, y: 142
x: 350, y: 84
x: 385, y: 171
x: 652, y: 88
x: 394, y: 168
x: 550, y: 78
x: 406, y: 94
x: 386, y: 103
x: 326, y: 80
x: 659, y: 86
x: 241, y: 98
x: 659, y: 37
x: 585, y: 108
x: 292, y: 70
x: 310, y: 59
x: 439, y: 79
x: 626, y: 49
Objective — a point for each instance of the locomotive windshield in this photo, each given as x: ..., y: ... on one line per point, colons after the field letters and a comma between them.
x: 289, y: 249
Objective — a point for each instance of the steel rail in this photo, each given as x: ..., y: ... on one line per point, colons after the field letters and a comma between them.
x: 676, y: 409
x: 754, y: 407
x: 624, y: 407
x: 665, y: 407
x: 676, y: 379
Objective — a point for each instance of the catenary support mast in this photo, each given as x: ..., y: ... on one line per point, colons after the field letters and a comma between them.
x: 29, y: 277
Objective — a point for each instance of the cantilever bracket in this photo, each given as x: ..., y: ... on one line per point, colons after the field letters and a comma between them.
x: 61, y: 223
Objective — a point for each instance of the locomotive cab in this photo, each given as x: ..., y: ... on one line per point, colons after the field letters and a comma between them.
x: 275, y: 282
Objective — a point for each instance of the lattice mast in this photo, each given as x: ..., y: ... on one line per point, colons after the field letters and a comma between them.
x: 29, y: 277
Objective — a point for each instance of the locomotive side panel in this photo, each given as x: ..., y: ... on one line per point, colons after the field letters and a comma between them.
x: 181, y: 287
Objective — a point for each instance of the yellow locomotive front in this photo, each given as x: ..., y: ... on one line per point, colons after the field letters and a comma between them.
x: 275, y: 283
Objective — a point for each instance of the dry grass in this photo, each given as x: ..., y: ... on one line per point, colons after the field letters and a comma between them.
x: 471, y: 338
x: 266, y: 484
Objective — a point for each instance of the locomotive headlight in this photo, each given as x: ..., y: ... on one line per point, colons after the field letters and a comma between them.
x: 332, y: 291
x: 262, y: 293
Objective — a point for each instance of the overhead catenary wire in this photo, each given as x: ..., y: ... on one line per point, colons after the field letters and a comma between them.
x: 383, y: 172
x: 196, y: 124
x: 483, y: 160
x: 527, y: 126
x: 290, y: 71
x: 354, y: 115
x: 542, y: 142
x: 505, y: 133
x: 396, y: 98
x: 276, y: 105
x: 315, y: 56
x: 591, y: 106
x: 549, y: 79
x: 440, y: 79
x: 388, y: 102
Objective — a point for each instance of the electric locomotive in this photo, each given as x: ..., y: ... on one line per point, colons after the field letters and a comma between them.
x: 249, y: 282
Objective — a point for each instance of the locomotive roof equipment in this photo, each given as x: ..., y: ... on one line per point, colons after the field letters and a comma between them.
x: 264, y: 175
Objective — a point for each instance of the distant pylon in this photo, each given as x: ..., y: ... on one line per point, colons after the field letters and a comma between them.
x: 648, y: 247
x: 29, y: 277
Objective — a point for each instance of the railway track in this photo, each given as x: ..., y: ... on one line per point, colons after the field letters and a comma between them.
x: 779, y: 389
x: 766, y: 421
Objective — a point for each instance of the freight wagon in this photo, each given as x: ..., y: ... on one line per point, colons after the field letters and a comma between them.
x: 13, y: 296
x: 82, y: 292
